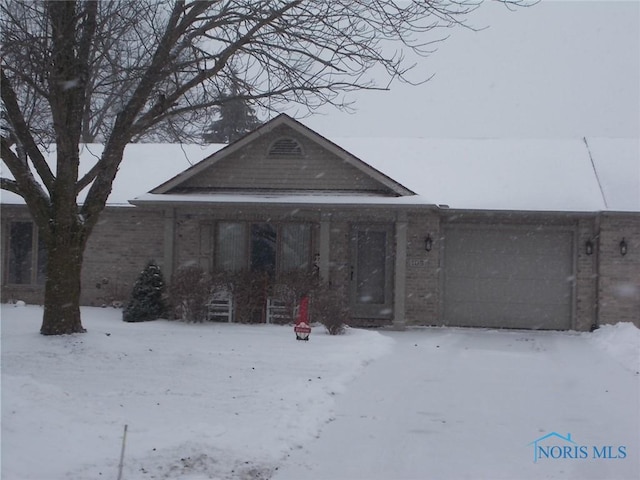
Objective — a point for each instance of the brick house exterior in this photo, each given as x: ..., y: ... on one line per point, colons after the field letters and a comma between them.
x: 618, y: 276
x: 396, y: 258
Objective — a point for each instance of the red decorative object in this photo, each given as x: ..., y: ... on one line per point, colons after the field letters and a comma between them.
x: 302, y: 327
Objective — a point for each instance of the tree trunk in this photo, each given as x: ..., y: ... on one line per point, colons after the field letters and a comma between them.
x: 62, y: 290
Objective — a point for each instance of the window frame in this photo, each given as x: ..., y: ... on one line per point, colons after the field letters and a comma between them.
x: 247, y: 247
x: 38, y: 263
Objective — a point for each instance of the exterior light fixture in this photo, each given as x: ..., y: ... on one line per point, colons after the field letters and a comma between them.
x: 428, y: 243
x: 588, y: 247
x: 623, y: 247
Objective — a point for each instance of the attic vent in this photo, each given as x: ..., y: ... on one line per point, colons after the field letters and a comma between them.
x: 285, y: 147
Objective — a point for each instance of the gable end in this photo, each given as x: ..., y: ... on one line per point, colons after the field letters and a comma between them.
x: 283, y: 155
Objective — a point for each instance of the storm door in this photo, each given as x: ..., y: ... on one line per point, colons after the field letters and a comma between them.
x: 371, y: 271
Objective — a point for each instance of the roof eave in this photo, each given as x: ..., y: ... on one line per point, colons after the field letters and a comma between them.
x: 379, y: 202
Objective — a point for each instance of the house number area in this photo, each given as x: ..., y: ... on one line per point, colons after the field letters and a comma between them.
x: 417, y: 262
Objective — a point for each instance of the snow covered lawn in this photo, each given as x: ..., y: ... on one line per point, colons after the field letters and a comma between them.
x: 249, y: 402
x: 200, y: 401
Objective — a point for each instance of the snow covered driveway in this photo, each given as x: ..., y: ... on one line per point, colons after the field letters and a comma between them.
x: 454, y: 403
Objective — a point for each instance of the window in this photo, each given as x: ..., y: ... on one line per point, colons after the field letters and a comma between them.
x: 263, y: 247
x: 231, y: 246
x: 264, y: 237
x: 27, y: 255
x: 296, y: 242
x: 285, y: 147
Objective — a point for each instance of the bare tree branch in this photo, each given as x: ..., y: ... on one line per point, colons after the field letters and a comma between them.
x: 10, y: 186
x: 25, y: 185
x: 23, y: 134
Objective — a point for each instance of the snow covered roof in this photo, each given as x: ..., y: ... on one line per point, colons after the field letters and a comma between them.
x: 511, y: 174
x: 601, y: 174
x: 144, y: 167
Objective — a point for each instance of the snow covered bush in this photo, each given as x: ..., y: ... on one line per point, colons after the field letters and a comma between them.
x: 189, y: 292
x: 191, y: 288
x: 147, y: 297
x: 289, y: 289
x: 328, y: 307
x: 249, y: 291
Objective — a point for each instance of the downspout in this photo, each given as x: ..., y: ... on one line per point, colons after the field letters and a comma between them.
x: 400, y: 273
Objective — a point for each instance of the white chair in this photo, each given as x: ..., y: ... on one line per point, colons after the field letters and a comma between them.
x: 220, y: 306
x: 277, y: 311
x: 281, y: 306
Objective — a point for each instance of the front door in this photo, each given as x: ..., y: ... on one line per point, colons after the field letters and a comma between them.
x: 371, y: 271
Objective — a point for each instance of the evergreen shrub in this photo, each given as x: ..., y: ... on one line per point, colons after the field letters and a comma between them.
x: 147, y: 297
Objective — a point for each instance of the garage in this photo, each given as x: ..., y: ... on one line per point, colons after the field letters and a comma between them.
x: 508, y: 277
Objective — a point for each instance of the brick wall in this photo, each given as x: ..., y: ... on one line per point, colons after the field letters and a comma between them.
x: 124, y: 239
x: 619, y: 275
x: 423, y: 270
x: 121, y: 244
x: 187, y: 249
x: 586, y: 277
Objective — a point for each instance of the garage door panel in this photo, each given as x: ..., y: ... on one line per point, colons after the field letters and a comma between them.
x: 504, y: 290
x: 505, y: 266
x: 498, y: 315
x: 512, y: 277
x: 503, y: 242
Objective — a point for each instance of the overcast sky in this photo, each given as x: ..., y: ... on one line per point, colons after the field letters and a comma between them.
x: 557, y: 69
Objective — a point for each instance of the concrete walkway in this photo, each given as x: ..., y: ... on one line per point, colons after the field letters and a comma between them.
x: 458, y: 403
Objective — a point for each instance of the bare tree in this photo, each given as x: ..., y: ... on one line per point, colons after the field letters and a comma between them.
x: 122, y: 70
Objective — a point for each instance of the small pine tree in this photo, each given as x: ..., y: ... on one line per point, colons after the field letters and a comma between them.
x: 237, y: 118
x: 147, y: 296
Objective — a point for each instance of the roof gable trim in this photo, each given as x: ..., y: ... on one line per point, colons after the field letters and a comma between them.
x: 284, y: 119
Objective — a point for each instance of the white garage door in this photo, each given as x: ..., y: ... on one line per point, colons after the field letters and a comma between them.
x: 508, y: 277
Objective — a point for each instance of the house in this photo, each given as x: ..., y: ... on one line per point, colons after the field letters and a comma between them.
x: 535, y: 234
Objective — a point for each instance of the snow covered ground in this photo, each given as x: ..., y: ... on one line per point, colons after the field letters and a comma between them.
x: 238, y: 402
